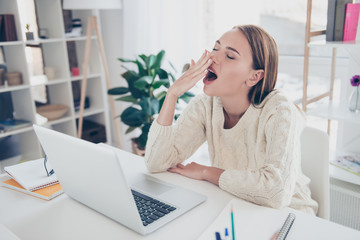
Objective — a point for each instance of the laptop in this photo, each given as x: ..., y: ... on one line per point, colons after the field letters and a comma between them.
x: 93, y: 175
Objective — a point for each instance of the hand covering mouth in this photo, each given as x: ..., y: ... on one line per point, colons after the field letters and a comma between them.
x: 211, y: 75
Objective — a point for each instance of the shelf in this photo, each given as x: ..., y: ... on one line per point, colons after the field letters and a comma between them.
x: 11, y: 43
x: 51, y: 82
x: 13, y: 88
x: 53, y: 59
x: 39, y: 41
x: 90, y: 112
x: 343, y: 175
x: 333, y: 111
x: 17, y: 131
x: 339, y: 44
x: 93, y: 75
x: 81, y: 38
x: 57, y: 121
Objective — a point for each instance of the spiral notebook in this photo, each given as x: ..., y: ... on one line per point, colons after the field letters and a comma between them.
x: 46, y: 193
x: 31, y: 175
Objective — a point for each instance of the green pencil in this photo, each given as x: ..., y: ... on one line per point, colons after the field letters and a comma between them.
x: 232, y: 224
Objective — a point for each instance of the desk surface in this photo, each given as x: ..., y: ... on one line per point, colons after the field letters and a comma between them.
x: 63, y: 218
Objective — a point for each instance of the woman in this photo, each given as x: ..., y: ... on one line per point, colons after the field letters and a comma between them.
x: 253, y: 132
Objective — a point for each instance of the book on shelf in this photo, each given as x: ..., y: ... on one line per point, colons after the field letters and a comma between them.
x: 340, y: 19
x: 350, y: 163
x: 351, y: 21
x: 13, y: 124
x: 31, y: 174
x: 357, y: 38
x: 7, y: 28
x: 330, y: 25
x: 46, y: 193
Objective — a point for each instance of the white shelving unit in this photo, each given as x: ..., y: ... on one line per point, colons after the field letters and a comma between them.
x: 55, y: 55
x: 344, y: 186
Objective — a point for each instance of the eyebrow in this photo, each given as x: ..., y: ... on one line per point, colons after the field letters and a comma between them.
x: 229, y: 48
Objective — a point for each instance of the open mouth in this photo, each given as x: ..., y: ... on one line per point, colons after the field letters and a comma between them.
x: 211, y: 75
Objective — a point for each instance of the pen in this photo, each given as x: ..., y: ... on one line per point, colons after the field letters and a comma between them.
x: 232, y: 224
x: 227, y: 237
x: 217, y: 236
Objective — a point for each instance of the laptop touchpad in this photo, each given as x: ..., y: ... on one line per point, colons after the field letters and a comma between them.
x: 152, y: 187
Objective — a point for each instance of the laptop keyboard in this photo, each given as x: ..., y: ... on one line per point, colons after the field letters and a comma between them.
x: 149, y: 208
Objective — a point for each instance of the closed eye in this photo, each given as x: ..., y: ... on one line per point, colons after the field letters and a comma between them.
x: 230, y: 57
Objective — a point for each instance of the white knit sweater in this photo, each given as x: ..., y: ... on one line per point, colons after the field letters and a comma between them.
x: 260, y: 154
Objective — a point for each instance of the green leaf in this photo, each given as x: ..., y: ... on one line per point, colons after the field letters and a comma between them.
x: 133, y: 117
x: 154, y: 106
x: 152, y: 61
x: 189, y: 94
x: 158, y: 59
x: 128, y: 98
x: 172, y: 77
x: 142, y: 82
x: 161, y: 95
x: 159, y: 83
x: 153, y: 73
x: 118, y: 91
x: 186, y: 97
x: 162, y: 73
x: 144, y: 58
x: 142, y: 139
x: 130, y: 129
x: 141, y: 68
x: 126, y: 60
x: 172, y: 66
x: 129, y: 75
x: 150, y: 106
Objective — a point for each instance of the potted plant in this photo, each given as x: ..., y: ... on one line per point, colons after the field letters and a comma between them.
x: 29, y: 35
x: 146, y: 90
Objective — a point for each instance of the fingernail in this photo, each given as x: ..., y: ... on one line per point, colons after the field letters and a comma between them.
x: 209, y: 61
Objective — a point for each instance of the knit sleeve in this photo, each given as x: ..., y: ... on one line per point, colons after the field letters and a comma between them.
x: 170, y: 145
x: 273, y: 183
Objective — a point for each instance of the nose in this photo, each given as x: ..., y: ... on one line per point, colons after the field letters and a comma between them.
x: 214, y: 56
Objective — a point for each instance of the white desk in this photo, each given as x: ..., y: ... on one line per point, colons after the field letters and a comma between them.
x: 63, y: 218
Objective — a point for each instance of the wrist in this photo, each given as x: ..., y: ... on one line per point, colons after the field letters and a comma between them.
x: 173, y: 92
x: 212, y: 174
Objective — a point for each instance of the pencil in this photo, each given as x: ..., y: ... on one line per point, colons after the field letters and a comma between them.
x: 232, y: 224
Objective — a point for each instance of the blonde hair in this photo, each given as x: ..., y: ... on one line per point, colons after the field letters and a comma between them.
x: 265, y: 57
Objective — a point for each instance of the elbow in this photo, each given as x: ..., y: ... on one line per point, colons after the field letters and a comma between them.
x: 154, y: 166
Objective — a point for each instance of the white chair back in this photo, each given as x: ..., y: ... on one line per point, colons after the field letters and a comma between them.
x: 315, y: 165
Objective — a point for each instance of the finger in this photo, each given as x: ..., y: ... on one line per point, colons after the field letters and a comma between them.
x: 180, y: 165
x: 201, y: 63
x: 175, y: 170
x: 201, y: 59
x: 192, y: 63
x: 200, y: 71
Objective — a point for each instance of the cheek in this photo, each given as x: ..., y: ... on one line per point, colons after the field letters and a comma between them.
x: 236, y: 74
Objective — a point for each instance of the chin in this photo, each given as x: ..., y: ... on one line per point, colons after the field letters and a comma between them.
x: 208, y: 91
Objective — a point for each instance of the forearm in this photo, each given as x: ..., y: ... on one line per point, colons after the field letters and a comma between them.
x: 167, y: 111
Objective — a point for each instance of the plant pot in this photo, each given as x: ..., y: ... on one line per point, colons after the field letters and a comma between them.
x: 135, y: 148
x: 29, y: 36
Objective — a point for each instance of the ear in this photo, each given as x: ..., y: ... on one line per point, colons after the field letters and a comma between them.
x: 255, y: 78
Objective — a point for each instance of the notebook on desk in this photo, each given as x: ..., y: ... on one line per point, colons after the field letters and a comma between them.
x: 93, y: 175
